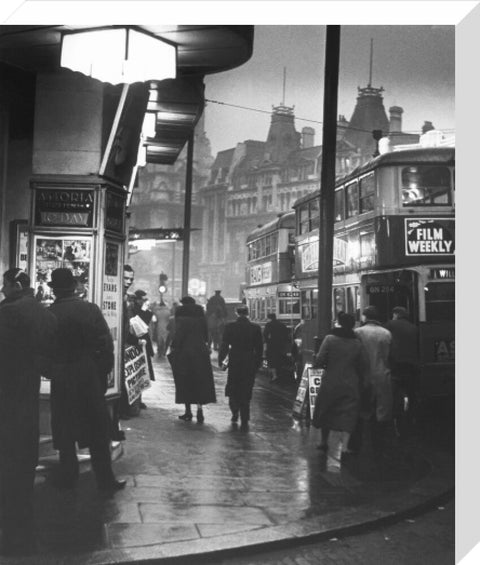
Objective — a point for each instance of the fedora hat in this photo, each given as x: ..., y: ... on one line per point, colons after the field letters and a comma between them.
x: 62, y: 279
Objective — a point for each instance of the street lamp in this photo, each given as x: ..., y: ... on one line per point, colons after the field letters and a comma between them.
x: 118, y: 55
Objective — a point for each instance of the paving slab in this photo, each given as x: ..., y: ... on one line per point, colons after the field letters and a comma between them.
x: 198, y: 490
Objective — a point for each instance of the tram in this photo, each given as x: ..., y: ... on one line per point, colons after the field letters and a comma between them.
x: 269, y: 287
x: 394, y: 245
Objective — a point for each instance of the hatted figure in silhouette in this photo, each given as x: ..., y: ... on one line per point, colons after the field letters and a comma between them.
x: 190, y: 359
x: 242, y: 343
x: 216, y: 319
x: 83, y: 359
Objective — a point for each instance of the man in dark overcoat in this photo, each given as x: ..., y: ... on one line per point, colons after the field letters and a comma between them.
x: 277, y: 341
x: 242, y: 343
x: 27, y: 336
x: 405, y: 362
x: 217, y: 314
x: 84, y: 357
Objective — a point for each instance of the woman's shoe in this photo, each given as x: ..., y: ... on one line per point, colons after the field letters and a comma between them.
x: 186, y: 417
x: 200, y: 418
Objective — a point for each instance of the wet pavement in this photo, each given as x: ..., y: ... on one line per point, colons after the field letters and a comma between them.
x: 198, y: 490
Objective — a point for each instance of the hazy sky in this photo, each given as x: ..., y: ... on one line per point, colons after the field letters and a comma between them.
x: 414, y: 64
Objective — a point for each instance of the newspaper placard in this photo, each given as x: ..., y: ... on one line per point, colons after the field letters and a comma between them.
x: 314, y: 382
x: 136, y: 372
x: 300, y: 403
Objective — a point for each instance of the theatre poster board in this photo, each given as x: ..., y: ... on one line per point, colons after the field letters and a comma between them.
x: 301, y: 400
x: 112, y: 307
x: 314, y: 381
x: 136, y: 372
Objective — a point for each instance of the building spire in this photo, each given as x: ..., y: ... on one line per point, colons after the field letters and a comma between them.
x: 370, y: 90
x: 284, y: 84
x: 371, y: 62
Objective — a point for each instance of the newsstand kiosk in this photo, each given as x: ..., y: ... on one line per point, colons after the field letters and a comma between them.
x: 79, y: 224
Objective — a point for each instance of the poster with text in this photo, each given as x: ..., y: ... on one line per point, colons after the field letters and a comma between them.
x: 136, y: 372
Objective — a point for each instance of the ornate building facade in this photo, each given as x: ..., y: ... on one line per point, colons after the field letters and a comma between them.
x: 256, y: 180
x: 159, y: 202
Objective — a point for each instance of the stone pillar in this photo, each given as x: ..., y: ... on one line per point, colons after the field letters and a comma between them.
x: 68, y: 126
x: 215, y: 242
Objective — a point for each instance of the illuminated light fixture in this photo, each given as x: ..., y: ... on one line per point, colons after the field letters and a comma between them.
x: 149, y: 125
x: 175, y: 117
x: 119, y: 55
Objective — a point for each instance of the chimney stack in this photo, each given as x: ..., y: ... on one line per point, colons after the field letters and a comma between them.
x: 395, y: 119
x: 308, y: 137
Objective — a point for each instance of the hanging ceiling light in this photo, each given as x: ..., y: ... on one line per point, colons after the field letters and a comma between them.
x: 119, y: 55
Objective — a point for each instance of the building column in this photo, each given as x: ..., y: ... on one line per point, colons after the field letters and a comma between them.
x: 69, y: 124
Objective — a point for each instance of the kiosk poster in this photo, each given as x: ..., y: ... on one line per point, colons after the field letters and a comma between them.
x: 111, y: 301
x: 62, y: 252
x: 314, y: 382
x: 136, y: 372
x: 300, y: 403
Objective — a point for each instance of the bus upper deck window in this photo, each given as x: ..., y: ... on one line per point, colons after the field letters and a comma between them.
x: 367, y: 193
x: 339, y: 205
x: 304, y: 223
x: 426, y: 185
x: 352, y: 203
x: 314, y: 211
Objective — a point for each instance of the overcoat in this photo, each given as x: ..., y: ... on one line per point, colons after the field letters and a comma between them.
x: 377, y: 341
x: 344, y: 360
x: 277, y: 342
x: 27, y: 337
x: 404, y: 341
x: 242, y: 342
x: 190, y: 357
x: 84, y: 357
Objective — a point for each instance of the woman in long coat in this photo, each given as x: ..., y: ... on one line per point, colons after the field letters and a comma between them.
x: 338, y: 403
x: 190, y: 359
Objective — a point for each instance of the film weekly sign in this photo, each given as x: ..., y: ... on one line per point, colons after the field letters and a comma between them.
x: 136, y: 372
x: 429, y: 236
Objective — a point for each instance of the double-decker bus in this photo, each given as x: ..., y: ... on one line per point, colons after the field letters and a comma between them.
x: 269, y: 287
x: 394, y: 245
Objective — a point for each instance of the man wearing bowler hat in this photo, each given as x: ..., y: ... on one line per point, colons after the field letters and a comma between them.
x: 84, y: 357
